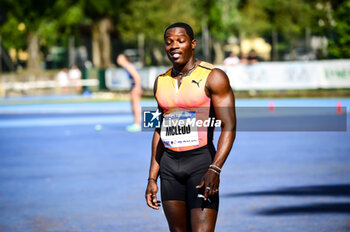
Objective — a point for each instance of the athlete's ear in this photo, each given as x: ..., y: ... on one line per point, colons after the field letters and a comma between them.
x: 193, y: 44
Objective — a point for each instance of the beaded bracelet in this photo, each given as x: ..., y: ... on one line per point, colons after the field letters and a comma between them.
x: 152, y: 179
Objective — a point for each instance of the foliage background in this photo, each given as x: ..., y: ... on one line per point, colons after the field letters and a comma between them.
x: 107, y: 27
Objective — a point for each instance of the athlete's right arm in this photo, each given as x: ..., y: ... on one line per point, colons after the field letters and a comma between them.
x: 152, y: 188
x: 157, y: 150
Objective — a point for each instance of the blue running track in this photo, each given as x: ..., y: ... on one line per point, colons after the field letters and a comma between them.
x: 58, y: 173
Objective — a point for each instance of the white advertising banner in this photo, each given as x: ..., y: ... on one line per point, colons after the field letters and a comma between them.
x: 261, y: 76
x: 336, y: 74
x: 274, y: 76
x: 117, y: 79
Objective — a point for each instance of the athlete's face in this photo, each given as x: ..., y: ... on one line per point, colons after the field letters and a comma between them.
x: 179, y: 46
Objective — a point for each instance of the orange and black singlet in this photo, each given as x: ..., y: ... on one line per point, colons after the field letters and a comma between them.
x: 188, y: 115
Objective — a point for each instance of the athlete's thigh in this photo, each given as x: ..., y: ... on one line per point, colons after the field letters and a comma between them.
x: 203, y: 213
x: 203, y: 220
x: 134, y: 94
x: 195, y: 197
x: 176, y: 214
x: 173, y: 194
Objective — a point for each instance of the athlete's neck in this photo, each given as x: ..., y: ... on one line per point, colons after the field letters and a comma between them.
x: 183, y: 69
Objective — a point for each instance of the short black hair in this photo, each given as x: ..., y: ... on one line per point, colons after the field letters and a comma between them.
x: 185, y: 26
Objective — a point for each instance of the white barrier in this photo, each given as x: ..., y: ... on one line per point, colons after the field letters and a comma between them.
x: 118, y: 79
x: 336, y: 74
x: 261, y: 76
x: 24, y: 86
x: 275, y: 76
x: 290, y: 75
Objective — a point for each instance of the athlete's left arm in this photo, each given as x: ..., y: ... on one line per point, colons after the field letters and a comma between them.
x: 223, y: 100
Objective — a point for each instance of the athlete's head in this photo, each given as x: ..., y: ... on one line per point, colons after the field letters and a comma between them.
x: 122, y: 60
x: 179, y: 43
x: 185, y: 26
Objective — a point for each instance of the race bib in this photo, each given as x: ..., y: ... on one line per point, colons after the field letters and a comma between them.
x: 179, y: 129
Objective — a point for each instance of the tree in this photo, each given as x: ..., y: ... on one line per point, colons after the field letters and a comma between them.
x: 102, y: 15
x: 30, y: 15
x: 34, y: 22
x: 290, y: 19
x: 339, y: 40
x: 254, y: 19
x: 150, y: 18
x: 13, y: 33
x: 221, y: 18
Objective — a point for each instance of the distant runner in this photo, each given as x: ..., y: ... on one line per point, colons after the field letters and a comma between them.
x: 135, y: 91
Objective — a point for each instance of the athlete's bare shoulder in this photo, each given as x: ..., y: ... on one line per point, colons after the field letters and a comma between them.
x: 218, y: 81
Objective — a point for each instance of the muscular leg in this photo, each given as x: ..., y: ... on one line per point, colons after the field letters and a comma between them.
x: 203, y: 213
x: 175, y: 212
x: 203, y: 220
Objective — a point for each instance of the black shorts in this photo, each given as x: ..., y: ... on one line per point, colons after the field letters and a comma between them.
x: 181, y: 172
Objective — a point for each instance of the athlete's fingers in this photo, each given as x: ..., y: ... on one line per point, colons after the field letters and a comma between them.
x: 158, y: 204
x: 150, y: 202
x: 206, y: 192
x: 154, y: 199
x: 155, y: 202
x: 215, y: 189
x: 200, y: 185
x: 211, y: 191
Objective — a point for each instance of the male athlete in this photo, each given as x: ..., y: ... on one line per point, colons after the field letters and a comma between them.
x: 183, y: 154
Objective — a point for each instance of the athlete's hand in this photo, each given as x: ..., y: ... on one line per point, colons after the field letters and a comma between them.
x: 211, y: 182
x: 151, y: 195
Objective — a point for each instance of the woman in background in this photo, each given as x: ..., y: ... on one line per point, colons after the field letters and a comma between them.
x: 136, y: 91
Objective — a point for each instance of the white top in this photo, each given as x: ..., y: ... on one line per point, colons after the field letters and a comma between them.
x: 231, y: 61
x: 74, y: 74
x: 62, y: 78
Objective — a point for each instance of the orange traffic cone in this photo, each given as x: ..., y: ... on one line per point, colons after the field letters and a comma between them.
x: 271, y: 107
x: 339, y: 108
